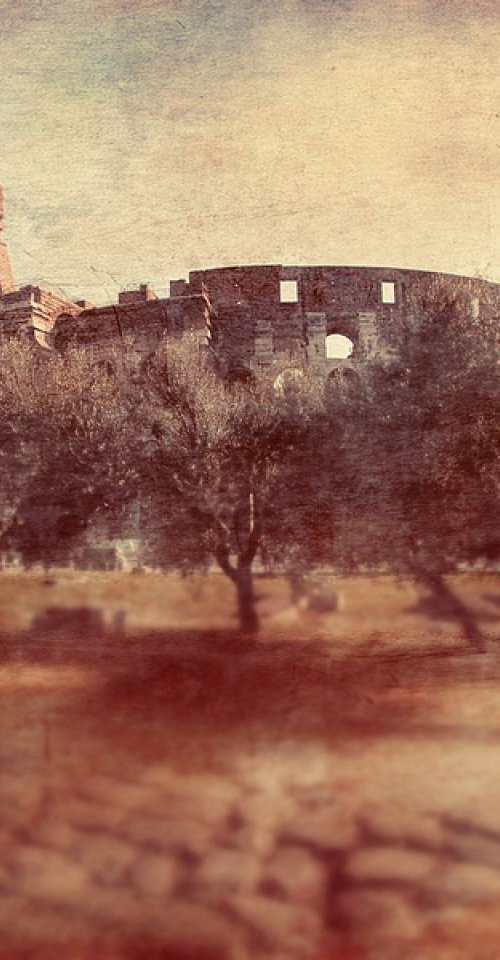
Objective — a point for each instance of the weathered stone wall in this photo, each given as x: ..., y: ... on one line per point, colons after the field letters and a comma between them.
x: 255, y: 325
x: 255, y: 317
x: 138, y: 321
x: 336, y: 290
x: 33, y: 309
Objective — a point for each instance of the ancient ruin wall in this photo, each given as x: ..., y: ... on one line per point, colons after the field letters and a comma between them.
x: 255, y: 317
x: 261, y: 313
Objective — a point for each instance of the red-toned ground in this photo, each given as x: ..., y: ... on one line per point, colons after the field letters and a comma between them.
x: 330, y: 794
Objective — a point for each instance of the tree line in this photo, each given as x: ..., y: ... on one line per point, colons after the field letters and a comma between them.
x: 395, y: 467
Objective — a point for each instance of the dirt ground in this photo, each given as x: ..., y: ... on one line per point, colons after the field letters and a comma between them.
x: 332, y: 793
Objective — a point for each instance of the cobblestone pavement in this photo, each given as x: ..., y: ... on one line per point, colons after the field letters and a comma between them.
x: 177, y: 805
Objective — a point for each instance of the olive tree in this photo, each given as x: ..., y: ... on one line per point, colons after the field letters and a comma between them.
x: 427, y: 458
x: 229, y: 471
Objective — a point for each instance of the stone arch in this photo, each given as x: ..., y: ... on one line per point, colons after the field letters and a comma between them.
x: 287, y: 380
x: 239, y: 374
x: 341, y: 376
x: 107, y: 366
x: 347, y: 326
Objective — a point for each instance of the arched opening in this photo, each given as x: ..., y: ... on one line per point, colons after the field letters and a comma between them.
x: 338, y: 347
x: 108, y: 367
x: 341, y: 378
x: 288, y: 380
x: 241, y: 376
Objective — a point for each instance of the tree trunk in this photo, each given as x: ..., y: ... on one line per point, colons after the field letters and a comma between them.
x: 242, y: 577
x: 243, y: 581
x: 437, y: 583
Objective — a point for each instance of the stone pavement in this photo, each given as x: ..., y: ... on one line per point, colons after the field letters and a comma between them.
x: 162, y: 807
x: 230, y: 867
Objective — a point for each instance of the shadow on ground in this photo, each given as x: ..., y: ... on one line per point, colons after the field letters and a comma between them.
x: 189, y: 681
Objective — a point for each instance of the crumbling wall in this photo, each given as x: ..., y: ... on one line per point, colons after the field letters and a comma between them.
x: 138, y: 322
x: 275, y: 311
x: 33, y: 308
x: 254, y: 317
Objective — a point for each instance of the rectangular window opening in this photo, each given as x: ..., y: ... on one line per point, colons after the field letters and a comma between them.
x: 289, y: 291
x: 388, y: 291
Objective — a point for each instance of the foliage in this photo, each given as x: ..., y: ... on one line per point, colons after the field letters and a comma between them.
x: 426, y: 460
x: 64, y: 451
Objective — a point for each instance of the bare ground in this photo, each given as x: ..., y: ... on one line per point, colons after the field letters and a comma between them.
x: 330, y: 794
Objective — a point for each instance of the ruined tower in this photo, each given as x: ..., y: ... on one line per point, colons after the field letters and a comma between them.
x: 6, y: 275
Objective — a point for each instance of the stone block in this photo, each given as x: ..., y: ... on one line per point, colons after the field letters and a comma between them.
x: 328, y: 830
x: 204, y: 797
x: 57, y: 834
x: 48, y: 875
x: 475, y: 847
x: 278, y: 926
x: 183, y: 835
x: 389, y: 865
x: 399, y: 826
x: 321, y: 601
x: 259, y: 838
x: 459, y: 883
x: 89, y: 815
x: 154, y: 875
x: 106, y: 857
x: 297, y: 875
x: 226, y: 871
x: 118, y: 793
x: 261, y: 809
x: 378, y: 915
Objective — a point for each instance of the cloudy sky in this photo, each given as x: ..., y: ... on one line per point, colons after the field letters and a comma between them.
x: 143, y: 138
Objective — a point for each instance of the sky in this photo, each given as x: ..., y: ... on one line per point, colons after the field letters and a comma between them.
x: 140, y: 139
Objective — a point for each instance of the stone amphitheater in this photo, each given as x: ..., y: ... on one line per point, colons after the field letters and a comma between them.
x: 253, y: 318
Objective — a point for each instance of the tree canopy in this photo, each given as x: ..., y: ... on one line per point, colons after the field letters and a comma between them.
x: 65, y: 450
x: 232, y: 472
x: 425, y: 443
